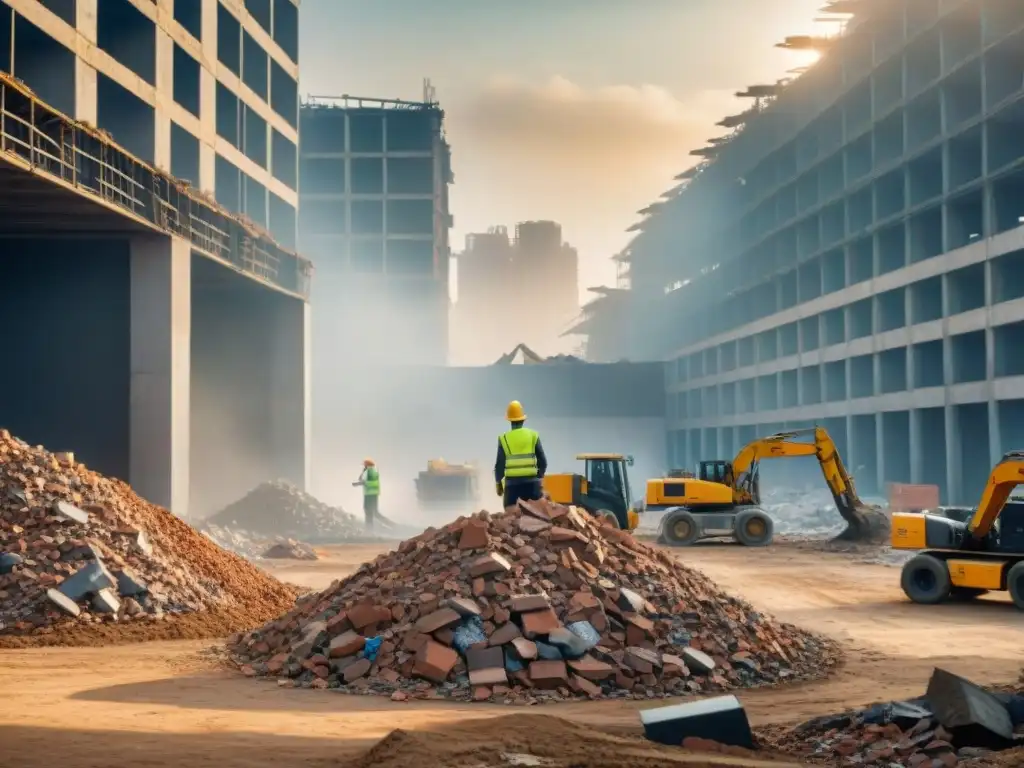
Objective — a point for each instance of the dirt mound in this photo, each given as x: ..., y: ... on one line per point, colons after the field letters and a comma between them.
x: 536, y: 603
x: 290, y: 550
x: 529, y: 740
x: 83, y: 559
x: 278, y: 509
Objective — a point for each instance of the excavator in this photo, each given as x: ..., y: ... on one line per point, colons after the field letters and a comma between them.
x: 966, y: 559
x: 724, y: 499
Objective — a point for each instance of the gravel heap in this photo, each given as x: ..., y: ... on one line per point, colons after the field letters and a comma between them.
x: 84, y: 559
x: 277, y: 509
x: 540, y: 602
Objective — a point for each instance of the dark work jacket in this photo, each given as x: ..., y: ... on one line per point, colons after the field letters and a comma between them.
x: 499, y: 466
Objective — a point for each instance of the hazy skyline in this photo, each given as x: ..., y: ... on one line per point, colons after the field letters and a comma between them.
x: 581, y: 111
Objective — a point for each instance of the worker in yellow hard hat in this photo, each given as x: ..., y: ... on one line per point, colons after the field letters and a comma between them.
x: 369, y: 478
x: 521, y: 463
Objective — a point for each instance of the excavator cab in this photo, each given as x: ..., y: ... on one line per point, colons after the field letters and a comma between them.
x: 716, y: 472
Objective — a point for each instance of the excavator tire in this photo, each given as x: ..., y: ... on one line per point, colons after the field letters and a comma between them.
x: 679, y: 528
x: 1015, y: 584
x: 866, y: 525
x: 754, y: 528
x: 925, y: 580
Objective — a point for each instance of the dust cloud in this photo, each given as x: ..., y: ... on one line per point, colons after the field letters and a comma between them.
x: 373, y: 397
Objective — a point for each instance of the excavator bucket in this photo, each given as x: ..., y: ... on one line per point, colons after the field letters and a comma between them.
x: 865, y: 523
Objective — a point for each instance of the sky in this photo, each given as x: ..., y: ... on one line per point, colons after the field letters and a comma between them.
x: 579, y: 111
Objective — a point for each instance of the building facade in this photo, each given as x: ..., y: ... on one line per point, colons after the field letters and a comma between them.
x: 853, y: 256
x: 204, y: 89
x: 375, y: 221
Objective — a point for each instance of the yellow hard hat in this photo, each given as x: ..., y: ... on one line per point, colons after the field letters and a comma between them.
x: 368, y: 462
x: 514, y: 412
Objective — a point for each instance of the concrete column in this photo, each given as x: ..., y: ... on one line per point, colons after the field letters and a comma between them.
x: 164, y: 99
x: 880, y: 464
x: 85, y: 76
x: 208, y: 99
x: 916, y: 448
x: 290, y: 406
x: 161, y: 335
x: 954, y: 463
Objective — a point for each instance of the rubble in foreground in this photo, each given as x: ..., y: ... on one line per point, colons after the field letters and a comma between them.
x: 538, y: 603
x: 80, y: 553
x: 934, y: 731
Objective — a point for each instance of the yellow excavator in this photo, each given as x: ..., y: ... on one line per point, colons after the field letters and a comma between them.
x: 724, y: 499
x: 968, y: 559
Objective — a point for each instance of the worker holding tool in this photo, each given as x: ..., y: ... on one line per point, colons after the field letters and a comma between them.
x: 369, y: 478
x: 521, y: 463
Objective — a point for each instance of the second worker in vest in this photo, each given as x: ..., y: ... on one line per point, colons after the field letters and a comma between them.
x: 521, y: 462
x: 369, y: 478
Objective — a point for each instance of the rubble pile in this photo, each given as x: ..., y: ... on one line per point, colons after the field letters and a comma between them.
x: 278, y: 509
x: 539, y: 602
x: 80, y: 552
x: 290, y: 549
x: 934, y: 731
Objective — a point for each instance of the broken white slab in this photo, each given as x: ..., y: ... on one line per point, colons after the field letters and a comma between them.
x: 71, y: 512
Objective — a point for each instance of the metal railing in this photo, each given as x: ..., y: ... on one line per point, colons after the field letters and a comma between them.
x: 50, y: 144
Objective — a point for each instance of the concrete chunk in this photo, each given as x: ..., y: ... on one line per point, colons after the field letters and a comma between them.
x: 698, y: 661
x: 105, y: 601
x: 721, y: 719
x: 63, y: 602
x: 974, y: 716
x: 88, y: 580
x: 129, y: 584
x: 8, y: 560
x: 71, y: 512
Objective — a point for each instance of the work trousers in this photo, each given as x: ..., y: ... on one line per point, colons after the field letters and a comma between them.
x: 370, y: 510
x: 527, y: 490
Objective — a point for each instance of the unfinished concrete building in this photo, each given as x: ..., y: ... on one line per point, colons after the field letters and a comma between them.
x: 375, y: 221
x: 853, y: 254
x: 204, y: 89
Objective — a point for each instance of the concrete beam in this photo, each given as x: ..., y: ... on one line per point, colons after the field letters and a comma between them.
x: 160, y: 383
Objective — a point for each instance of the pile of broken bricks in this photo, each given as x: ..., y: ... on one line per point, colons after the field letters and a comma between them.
x: 78, y: 547
x: 540, y: 602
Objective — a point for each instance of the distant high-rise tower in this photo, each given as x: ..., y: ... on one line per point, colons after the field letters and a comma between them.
x: 494, y: 271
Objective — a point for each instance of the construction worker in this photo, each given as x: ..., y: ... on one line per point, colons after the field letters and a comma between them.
x: 369, y: 478
x: 521, y: 462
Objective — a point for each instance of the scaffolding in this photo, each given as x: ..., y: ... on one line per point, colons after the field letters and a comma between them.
x: 38, y: 143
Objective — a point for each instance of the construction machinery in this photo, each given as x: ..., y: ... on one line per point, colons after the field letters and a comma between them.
x: 724, y: 498
x: 602, y: 489
x: 444, y: 485
x: 965, y: 559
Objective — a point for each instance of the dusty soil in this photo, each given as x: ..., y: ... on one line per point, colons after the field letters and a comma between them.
x: 174, y: 703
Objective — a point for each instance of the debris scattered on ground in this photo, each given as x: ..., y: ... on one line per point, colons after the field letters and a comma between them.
x: 290, y: 550
x: 80, y: 552
x: 539, y: 742
x: 954, y: 723
x: 540, y: 602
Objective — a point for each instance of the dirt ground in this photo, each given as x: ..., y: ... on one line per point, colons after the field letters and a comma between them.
x: 173, y: 703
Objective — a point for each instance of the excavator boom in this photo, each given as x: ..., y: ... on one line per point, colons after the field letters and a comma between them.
x: 1007, y: 475
x: 864, y: 523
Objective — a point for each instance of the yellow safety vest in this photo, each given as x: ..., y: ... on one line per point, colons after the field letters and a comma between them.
x: 520, y: 447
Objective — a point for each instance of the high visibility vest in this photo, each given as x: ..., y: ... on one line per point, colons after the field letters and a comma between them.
x: 371, y: 485
x: 520, y: 447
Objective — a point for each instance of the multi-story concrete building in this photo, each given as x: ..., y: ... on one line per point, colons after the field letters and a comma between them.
x: 375, y: 221
x: 204, y: 89
x: 854, y: 255
x: 179, y: 329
